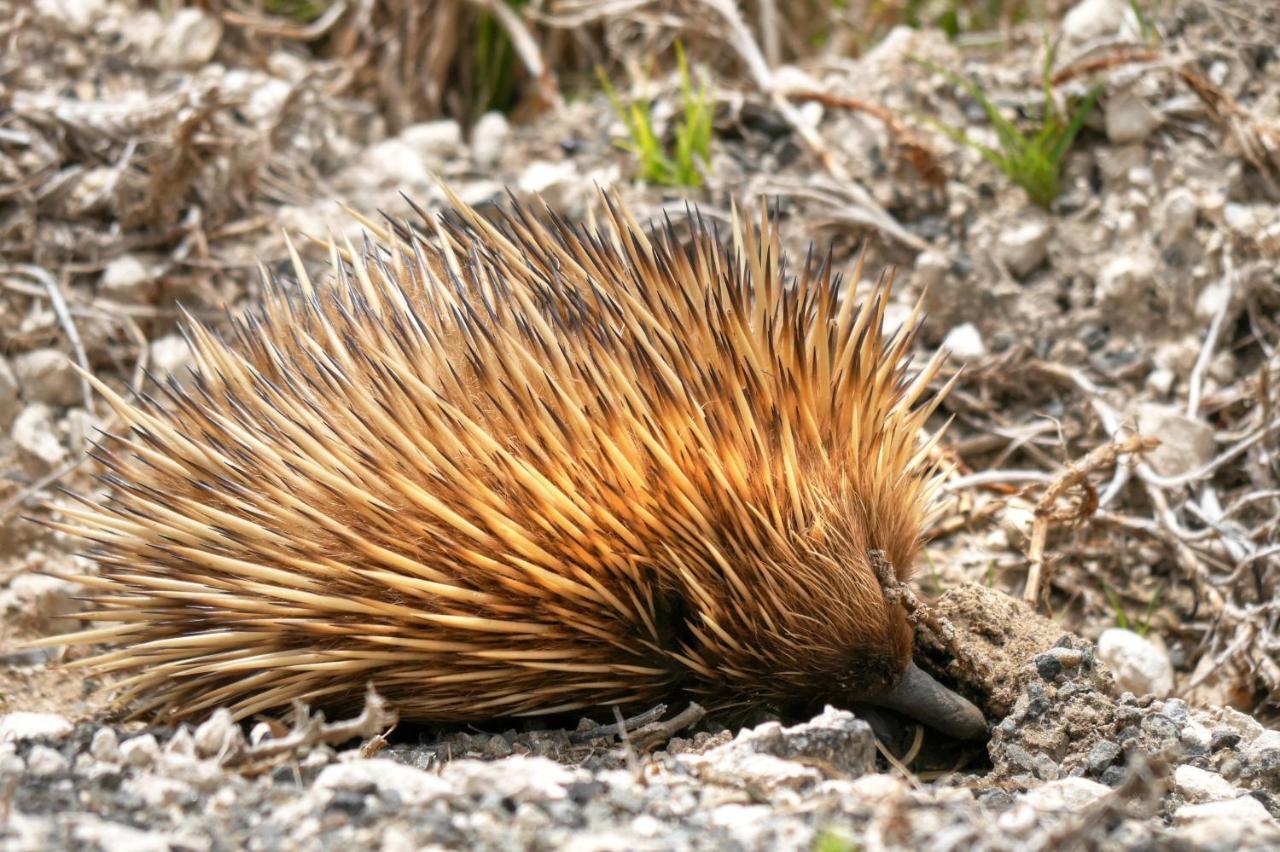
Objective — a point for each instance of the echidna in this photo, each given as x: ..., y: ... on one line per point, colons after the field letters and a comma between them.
x: 519, y: 467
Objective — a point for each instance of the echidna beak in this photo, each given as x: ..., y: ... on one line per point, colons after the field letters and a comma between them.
x: 919, y: 696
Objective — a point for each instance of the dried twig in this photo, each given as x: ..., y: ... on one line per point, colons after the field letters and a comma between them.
x: 656, y: 733
x: 1075, y: 474
x: 309, y: 729
x: 59, y: 304
x: 604, y: 731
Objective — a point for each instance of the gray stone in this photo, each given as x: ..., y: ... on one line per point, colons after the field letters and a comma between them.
x: 42, y: 760
x: 1137, y: 663
x: 1232, y: 824
x: 1130, y: 119
x: 1186, y: 443
x: 488, y: 137
x: 105, y: 745
x: 140, y: 751
x: 964, y: 342
x: 127, y: 280
x: 189, y: 39
x: 46, y: 375
x: 24, y: 725
x: 33, y: 434
x: 1024, y: 247
x: 1199, y: 785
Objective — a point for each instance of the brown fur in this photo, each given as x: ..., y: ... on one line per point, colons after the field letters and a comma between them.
x: 520, y: 469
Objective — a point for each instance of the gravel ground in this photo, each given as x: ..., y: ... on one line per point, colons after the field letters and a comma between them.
x: 150, y: 160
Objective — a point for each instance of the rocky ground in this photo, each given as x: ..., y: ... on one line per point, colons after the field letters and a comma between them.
x: 149, y: 159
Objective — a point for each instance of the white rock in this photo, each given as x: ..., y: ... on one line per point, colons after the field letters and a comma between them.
x: 517, y: 778
x: 1214, y: 298
x: 964, y: 342
x: 1178, y: 215
x: 46, y: 375
x: 930, y: 271
x: 1123, y: 281
x: 42, y: 602
x: 9, y: 402
x: 1129, y: 118
x: 190, y: 38
x: 78, y: 16
x: 1018, y: 820
x: 140, y: 751
x: 1064, y: 796
x: 877, y: 787
x: 219, y: 736
x: 1138, y: 664
x: 1024, y: 247
x: 393, y: 161
x: 171, y: 356
x: 90, y: 832
x: 1199, y: 785
x: 1186, y: 443
x: 157, y: 790
x: 105, y: 745
x: 24, y: 725
x: 435, y: 141
x: 1093, y: 19
x: 38, y: 446
x: 1227, y: 825
x: 127, y: 280
x: 547, y: 179
x: 413, y: 786
x: 488, y: 138
x: 43, y: 760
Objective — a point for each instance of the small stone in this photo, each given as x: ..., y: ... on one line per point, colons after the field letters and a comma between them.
x: 1130, y: 119
x: 1113, y: 776
x: 1138, y: 664
x: 1096, y: 19
x: 171, y: 356
x: 190, y: 38
x: 41, y: 602
x: 1123, y: 282
x: 46, y: 375
x: 548, y: 179
x: 105, y: 745
x: 127, y: 280
x: 1223, y: 738
x: 497, y: 747
x: 1227, y: 825
x: 42, y: 760
x: 1102, y: 755
x: 413, y: 786
x: 1186, y: 443
x: 1160, y: 381
x: 1177, y: 215
x: 140, y: 751
x: 964, y: 342
x: 77, y: 16
x: 1065, y: 795
x: 436, y: 142
x: 1025, y: 247
x: 24, y: 725
x: 219, y: 736
x: 488, y: 137
x: 1048, y: 667
x: 1199, y: 785
x: 158, y: 791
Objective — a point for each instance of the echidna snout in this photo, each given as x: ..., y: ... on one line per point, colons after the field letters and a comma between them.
x: 517, y: 467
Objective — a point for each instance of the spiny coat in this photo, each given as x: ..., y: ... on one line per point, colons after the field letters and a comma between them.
x: 519, y: 467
